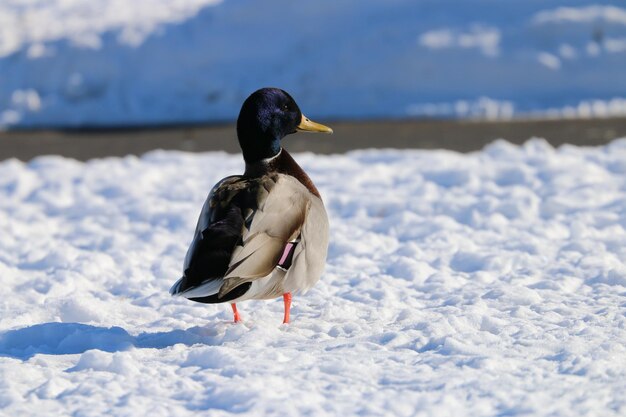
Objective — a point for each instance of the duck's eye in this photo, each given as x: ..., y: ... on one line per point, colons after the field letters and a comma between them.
x: 285, y: 107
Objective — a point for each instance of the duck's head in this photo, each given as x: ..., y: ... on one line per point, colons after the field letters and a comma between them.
x: 266, y: 117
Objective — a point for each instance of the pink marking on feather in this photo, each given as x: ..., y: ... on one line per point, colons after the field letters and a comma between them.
x: 285, y: 254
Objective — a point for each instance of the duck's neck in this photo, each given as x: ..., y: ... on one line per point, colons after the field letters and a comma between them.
x: 258, y: 146
x: 281, y: 163
x: 262, y: 166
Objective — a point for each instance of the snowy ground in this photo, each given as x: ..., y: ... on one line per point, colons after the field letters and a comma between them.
x: 487, y: 284
x: 108, y: 62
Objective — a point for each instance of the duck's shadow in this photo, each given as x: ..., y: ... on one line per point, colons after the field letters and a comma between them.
x: 71, y: 338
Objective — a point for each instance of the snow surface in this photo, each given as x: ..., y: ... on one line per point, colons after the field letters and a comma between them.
x: 112, y: 62
x: 486, y: 284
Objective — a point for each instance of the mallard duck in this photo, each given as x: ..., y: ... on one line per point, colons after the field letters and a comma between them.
x: 262, y: 234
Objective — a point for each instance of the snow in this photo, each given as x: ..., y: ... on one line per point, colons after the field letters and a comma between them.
x: 482, y: 284
x: 117, y: 62
x: 487, y: 40
x: 29, y: 25
x: 586, y: 14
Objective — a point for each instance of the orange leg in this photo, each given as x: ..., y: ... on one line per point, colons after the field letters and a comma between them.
x: 287, y: 300
x: 236, y: 313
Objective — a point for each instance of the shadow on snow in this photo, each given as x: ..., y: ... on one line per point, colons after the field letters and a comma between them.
x: 71, y: 338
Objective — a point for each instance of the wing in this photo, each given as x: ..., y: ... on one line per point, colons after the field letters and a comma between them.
x: 278, y: 219
x: 309, y: 256
x: 217, y: 232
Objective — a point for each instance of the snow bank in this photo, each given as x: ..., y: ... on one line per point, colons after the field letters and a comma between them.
x: 116, y: 62
x: 32, y: 24
x: 485, y: 284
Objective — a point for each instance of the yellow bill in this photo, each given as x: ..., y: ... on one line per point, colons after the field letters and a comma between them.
x: 307, y: 125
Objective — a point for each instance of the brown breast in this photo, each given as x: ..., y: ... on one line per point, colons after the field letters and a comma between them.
x: 283, y: 164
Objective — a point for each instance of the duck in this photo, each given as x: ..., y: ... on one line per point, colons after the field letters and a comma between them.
x: 263, y: 234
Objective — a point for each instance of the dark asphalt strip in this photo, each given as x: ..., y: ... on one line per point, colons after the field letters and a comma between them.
x: 462, y: 136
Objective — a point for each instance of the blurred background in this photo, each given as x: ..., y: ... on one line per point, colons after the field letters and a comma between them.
x: 129, y: 76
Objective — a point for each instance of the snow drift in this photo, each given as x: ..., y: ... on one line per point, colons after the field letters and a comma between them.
x: 114, y: 62
x: 491, y: 283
